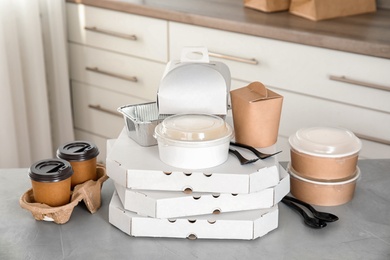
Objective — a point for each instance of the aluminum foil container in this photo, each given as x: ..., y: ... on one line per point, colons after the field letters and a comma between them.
x: 140, y: 121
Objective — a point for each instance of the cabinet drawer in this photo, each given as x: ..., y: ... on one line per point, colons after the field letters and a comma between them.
x: 95, y: 109
x: 117, y: 72
x: 294, y: 67
x: 301, y: 111
x: 116, y: 31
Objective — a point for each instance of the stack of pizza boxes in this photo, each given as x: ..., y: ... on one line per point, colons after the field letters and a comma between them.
x: 155, y: 199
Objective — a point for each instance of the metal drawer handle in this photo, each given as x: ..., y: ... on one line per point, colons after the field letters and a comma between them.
x: 104, y: 110
x: 111, y: 33
x: 252, y: 61
x: 97, y: 70
x: 358, y: 82
x: 373, y: 139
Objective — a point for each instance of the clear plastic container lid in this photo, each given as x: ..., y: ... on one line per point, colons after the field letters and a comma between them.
x: 325, y: 142
x: 193, y: 127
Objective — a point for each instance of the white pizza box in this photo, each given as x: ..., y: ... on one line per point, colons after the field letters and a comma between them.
x: 247, y: 225
x: 170, y: 204
x: 137, y: 167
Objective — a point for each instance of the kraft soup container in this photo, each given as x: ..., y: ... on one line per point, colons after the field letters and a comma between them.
x: 82, y: 156
x: 51, y: 181
x: 324, y: 153
x: 323, y: 193
x: 193, y: 141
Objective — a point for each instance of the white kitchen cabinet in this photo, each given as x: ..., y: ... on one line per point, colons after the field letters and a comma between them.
x: 96, y: 109
x: 115, y: 72
x: 302, y: 74
x: 294, y: 67
x: 125, y: 33
x: 115, y: 59
x: 320, y: 86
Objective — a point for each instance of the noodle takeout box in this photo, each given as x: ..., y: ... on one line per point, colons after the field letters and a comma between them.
x: 256, y: 114
x: 248, y: 225
x: 194, y: 85
x: 136, y: 167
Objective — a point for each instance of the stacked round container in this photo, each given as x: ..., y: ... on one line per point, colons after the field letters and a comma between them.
x: 323, y: 166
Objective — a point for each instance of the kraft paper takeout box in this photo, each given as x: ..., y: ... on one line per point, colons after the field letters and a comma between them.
x: 256, y: 115
x: 136, y: 167
x: 326, y: 9
x: 268, y: 5
x: 194, y: 85
x: 248, y: 225
x: 171, y: 204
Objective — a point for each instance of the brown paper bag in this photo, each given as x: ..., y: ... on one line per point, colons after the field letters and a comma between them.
x: 326, y: 9
x: 268, y: 5
x: 256, y: 115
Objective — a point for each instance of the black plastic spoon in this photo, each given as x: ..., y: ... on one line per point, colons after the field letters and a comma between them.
x: 309, y: 221
x: 325, y: 216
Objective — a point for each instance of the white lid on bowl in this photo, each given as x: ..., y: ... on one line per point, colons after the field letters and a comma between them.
x: 194, y: 127
x: 325, y: 142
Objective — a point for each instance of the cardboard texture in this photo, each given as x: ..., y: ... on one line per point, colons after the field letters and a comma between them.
x: 323, y: 193
x: 136, y: 167
x: 323, y: 168
x: 88, y: 191
x: 256, y: 115
x: 194, y: 85
x: 235, y: 225
x: 268, y: 5
x: 326, y: 9
x: 165, y: 204
x: 53, y: 194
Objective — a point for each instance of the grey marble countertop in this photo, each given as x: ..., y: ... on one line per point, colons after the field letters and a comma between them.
x: 363, y: 231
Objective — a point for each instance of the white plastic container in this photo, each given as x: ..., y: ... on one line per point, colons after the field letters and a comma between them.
x: 193, y: 141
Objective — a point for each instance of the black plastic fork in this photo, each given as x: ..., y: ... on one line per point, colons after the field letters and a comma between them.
x: 241, y: 158
x: 259, y: 154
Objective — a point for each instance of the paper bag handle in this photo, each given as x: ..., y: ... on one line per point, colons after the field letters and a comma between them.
x: 191, y: 54
x: 259, y: 89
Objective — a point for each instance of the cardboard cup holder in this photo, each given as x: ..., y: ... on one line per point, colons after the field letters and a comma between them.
x: 88, y: 191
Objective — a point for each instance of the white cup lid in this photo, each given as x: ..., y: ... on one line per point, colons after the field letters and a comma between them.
x: 194, y: 127
x: 325, y: 142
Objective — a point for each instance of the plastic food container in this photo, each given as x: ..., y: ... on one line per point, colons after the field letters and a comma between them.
x: 323, y: 193
x: 51, y: 181
x: 193, y: 141
x: 140, y: 121
x: 324, y: 153
x: 82, y: 157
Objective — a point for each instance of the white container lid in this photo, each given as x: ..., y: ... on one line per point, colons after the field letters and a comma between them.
x: 325, y: 142
x: 193, y: 128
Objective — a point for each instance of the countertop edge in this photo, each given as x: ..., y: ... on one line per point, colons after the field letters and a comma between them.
x: 368, y: 48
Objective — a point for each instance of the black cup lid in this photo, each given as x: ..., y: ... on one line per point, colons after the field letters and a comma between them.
x: 50, y: 170
x: 77, y: 151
